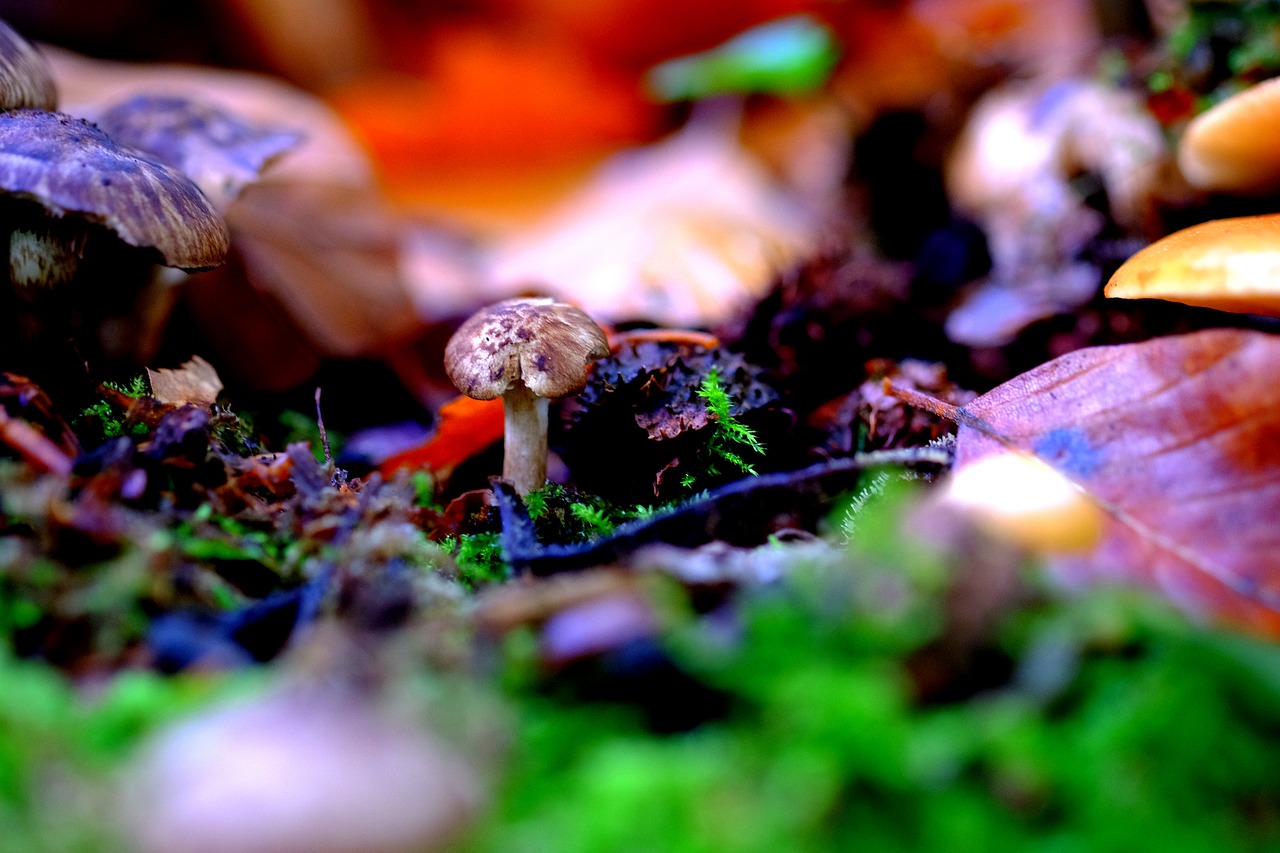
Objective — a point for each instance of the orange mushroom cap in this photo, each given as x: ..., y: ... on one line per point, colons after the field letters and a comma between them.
x: 1231, y: 147
x: 1228, y: 264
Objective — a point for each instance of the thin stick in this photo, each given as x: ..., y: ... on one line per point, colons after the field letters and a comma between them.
x: 324, y: 436
x: 921, y: 400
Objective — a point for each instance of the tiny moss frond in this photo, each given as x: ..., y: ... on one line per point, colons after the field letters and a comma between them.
x: 592, y: 516
x: 479, y: 558
x: 536, y: 503
x: 110, y: 418
x: 727, y: 430
x: 135, y: 387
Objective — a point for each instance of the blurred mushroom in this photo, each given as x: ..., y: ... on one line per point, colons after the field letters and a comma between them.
x: 1228, y: 264
x: 69, y: 193
x: 525, y: 351
x: 319, y: 262
x: 78, y: 176
x: 310, y: 771
x: 1022, y: 500
x: 25, y: 80
x: 220, y: 152
x: 1231, y: 147
x: 1012, y: 171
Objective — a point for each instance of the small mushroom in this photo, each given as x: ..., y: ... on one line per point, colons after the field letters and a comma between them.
x: 1231, y: 147
x: 526, y: 351
x: 25, y: 79
x: 1228, y: 264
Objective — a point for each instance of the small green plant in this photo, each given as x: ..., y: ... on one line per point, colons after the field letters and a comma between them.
x: 593, y: 517
x: 135, y: 387
x: 727, y: 432
x: 563, y: 515
x: 479, y: 558
x: 536, y: 502
x: 109, y: 416
x: 424, y: 490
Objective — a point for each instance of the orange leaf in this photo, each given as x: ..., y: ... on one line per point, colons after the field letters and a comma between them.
x: 466, y: 427
x: 488, y: 97
x: 1175, y: 438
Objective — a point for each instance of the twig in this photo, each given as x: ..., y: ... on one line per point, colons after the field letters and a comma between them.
x: 324, y: 436
x: 921, y: 400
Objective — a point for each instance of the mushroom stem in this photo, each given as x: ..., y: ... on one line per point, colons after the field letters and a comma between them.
x: 524, y: 461
x: 41, y: 258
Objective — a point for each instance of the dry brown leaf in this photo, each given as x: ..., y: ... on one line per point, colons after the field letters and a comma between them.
x: 684, y: 233
x: 195, y: 383
x: 332, y: 256
x: 1176, y: 439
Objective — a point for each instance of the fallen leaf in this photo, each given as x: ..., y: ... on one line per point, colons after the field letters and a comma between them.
x: 788, y: 56
x: 195, y: 382
x: 466, y: 427
x: 688, y: 232
x: 1175, y: 438
x: 331, y: 255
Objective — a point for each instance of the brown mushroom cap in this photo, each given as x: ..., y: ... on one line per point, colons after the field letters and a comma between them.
x: 1232, y: 146
x: 1228, y: 264
x: 25, y: 79
x: 71, y: 167
x: 217, y: 150
x: 542, y: 342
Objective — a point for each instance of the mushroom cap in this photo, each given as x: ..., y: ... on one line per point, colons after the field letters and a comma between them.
x: 1228, y: 264
x: 219, y: 151
x: 25, y: 79
x: 1231, y: 147
x: 542, y: 342
x: 72, y: 168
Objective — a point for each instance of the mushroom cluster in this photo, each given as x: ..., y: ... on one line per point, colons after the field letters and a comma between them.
x: 60, y: 176
x: 88, y: 210
x: 525, y: 351
x: 68, y: 192
x: 1228, y: 264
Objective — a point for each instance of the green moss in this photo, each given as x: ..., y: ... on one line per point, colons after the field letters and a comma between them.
x: 1122, y: 727
x: 59, y: 748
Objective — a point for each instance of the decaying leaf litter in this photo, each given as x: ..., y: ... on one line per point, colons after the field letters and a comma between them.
x: 828, y: 286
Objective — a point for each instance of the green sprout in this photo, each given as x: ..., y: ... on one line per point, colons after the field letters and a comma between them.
x: 728, y: 431
x: 107, y: 414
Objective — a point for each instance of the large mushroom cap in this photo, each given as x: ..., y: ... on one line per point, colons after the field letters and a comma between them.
x: 544, y: 343
x: 220, y: 152
x: 71, y: 167
x: 25, y: 79
x: 1231, y: 147
x: 1228, y: 264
